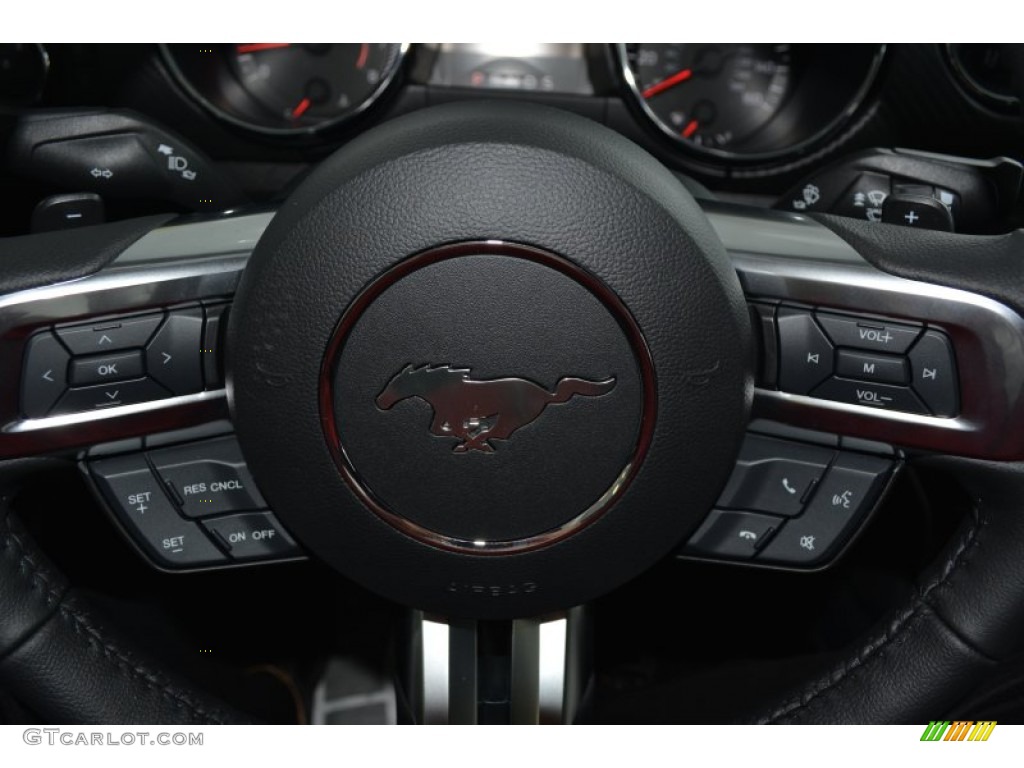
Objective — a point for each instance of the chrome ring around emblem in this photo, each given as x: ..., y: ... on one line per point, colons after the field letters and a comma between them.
x: 475, y: 411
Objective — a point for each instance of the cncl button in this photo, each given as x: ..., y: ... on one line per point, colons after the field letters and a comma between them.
x: 252, y: 536
x: 208, y: 478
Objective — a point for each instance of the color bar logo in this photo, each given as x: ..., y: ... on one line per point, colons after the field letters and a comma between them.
x: 959, y: 730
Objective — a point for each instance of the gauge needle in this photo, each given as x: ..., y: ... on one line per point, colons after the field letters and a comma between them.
x: 364, y: 54
x: 301, y: 108
x: 690, y: 129
x: 256, y: 47
x: 679, y: 77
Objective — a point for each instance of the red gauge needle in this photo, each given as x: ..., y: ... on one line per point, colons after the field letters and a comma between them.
x: 679, y: 77
x: 301, y: 108
x: 257, y: 47
x: 364, y: 54
x: 690, y: 129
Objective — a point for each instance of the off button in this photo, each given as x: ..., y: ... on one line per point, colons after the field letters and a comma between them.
x: 253, y: 535
x: 208, y: 478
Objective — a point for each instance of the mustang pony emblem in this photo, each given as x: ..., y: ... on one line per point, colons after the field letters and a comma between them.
x: 479, y: 410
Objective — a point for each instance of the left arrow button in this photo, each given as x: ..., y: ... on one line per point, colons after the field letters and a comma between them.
x: 44, y: 378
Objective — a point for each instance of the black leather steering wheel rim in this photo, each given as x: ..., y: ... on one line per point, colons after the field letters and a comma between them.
x: 966, y: 614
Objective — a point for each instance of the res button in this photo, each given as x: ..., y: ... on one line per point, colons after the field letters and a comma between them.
x: 208, y: 478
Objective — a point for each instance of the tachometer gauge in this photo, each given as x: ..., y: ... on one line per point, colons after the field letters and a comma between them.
x: 747, y: 101
x: 286, y: 88
x: 714, y: 96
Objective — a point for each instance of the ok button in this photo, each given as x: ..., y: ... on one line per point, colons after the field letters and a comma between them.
x: 101, y: 368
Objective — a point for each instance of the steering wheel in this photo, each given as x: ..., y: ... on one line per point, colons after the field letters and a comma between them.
x: 491, y: 362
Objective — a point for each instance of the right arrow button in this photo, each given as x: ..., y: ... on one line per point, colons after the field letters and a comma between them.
x: 934, y: 373
x: 173, y: 357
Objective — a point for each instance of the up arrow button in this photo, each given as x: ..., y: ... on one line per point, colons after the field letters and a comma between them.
x: 105, y: 337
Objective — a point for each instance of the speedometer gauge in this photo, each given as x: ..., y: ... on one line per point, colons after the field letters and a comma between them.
x: 286, y: 88
x: 713, y: 96
x: 747, y: 101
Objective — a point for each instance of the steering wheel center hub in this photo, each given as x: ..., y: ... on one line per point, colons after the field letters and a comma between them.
x: 489, y: 346
x: 488, y: 397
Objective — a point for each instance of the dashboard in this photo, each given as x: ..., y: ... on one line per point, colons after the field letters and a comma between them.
x: 860, y: 371
x: 749, y: 120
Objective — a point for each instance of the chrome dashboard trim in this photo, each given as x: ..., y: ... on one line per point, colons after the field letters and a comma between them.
x: 778, y: 256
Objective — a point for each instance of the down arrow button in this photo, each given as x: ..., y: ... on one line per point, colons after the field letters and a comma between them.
x: 172, y: 357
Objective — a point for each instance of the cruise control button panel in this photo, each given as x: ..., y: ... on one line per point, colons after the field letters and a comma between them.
x: 200, y: 528
x: 790, y: 504
x: 115, y: 361
x: 866, y: 361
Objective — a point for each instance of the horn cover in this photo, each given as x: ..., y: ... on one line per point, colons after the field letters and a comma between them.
x: 490, y: 360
